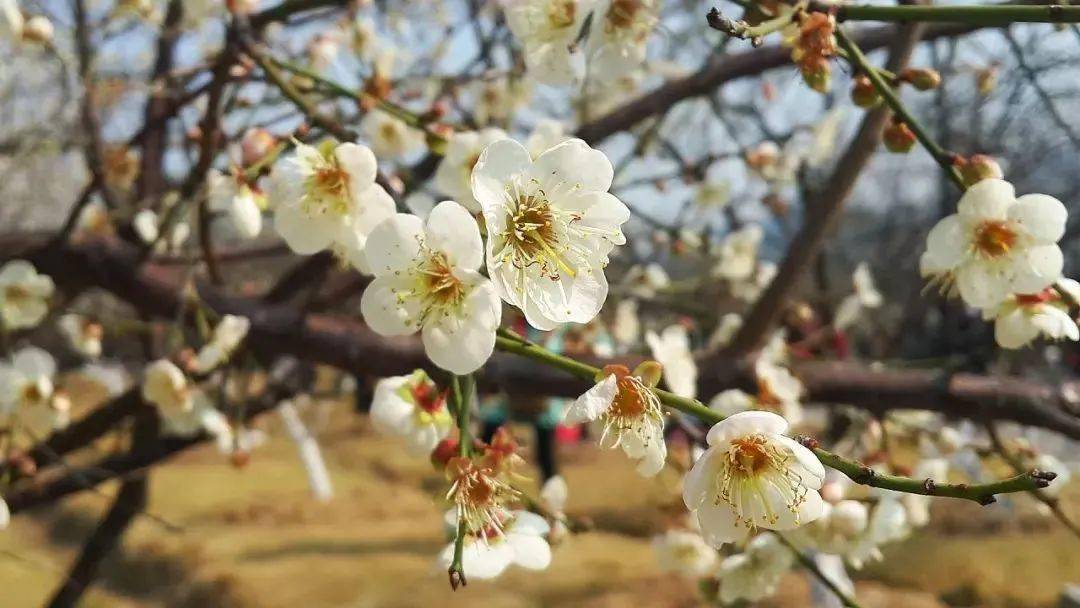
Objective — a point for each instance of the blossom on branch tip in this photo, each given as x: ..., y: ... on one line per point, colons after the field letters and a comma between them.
x: 630, y: 412
x: 184, y: 408
x: 427, y: 279
x: 551, y: 224
x: 389, y: 136
x: 755, y: 573
x: 1019, y: 319
x: 521, y: 543
x: 227, y: 336
x: 684, y: 552
x: 996, y: 244
x: 413, y: 408
x: 82, y: 333
x: 24, y: 295
x: 751, y: 477
x: 27, y: 387
x: 620, y: 32
x: 671, y: 348
x: 548, y: 31
x: 327, y: 198
x: 242, y: 203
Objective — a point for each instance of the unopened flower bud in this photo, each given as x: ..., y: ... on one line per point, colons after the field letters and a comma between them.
x: 443, y: 452
x: 899, y: 137
x: 650, y: 373
x: 863, y: 92
x: 38, y: 29
x: 923, y: 79
x: 977, y: 168
x: 255, y: 145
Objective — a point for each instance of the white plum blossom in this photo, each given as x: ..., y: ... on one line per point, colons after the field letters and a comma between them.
x: 390, y: 138
x: 554, y: 494
x: 712, y: 193
x: 750, y: 289
x: 645, y: 281
x: 738, y: 253
x: 996, y: 244
x: 778, y: 390
x: 521, y: 543
x: 629, y: 410
x: 327, y: 198
x: 240, y: 202
x: 184, y: 408
x: 24, y: 295
x: 754, y: 573
x: 671, y: 348
x: 427, y: 279
x: 82, y: 333
x: 228, y: 334
x: 454, y: 173
x: 551, y: 224
x: 888, y: 523
x: 27, y: 388
x: 548, y: 31
x: 34, y: 29
x: 732, y: 401
x: 839, y: 527
x: 145, y: 224
x: 866, y: 296
x: 620, y: 33
x: 413, y: 408
x: 685, y: 553
x: 750, y: 477
x: 1019, y: 319
x: 545, y: 135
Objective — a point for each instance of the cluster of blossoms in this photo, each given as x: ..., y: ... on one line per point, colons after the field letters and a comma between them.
x: 562, y: 42
x: 999, y: 253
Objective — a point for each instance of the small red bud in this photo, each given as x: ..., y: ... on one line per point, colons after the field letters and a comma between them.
x: 923, y: 79
x: 863, y: 92
x: 443, y: 452
x: 899, y: 137
x: 977, y: 168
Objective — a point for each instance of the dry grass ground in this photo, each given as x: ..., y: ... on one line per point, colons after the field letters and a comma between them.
x: 252, y: 537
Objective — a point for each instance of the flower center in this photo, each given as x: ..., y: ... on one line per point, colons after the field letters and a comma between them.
x: 389, y: 132
x: 441, y: 288
x: 479, y: 496
x: 427, y: 398
x: 17, y: 294
x: 621, y: 13
x: 532, y: 238
x: 328, y: 190
x: 994, y: 238
x: 635, y: 409
x: 32, y: 394
x: 561, y: 13
x: 756, y: 481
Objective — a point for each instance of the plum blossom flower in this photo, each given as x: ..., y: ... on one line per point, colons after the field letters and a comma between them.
x: 750, y: 477
x: 427, y: 279
x: 754, y: 573
x: 996, y: 244
x: 24, y: 295
x: 645, y: 281
x: 619, y: 36
x: 748, y: 290
x: 548, y: 29
x: 82, y: 333
x: 671, y: 348
x: 228, y: 334
x: 626, y: 327
x: 551, y: 224
x: 554, y: 494
x: 888, y: 523
x: 26, y: 385
x: 327, y: 198
x: 778, y: 391
x: 184, y: 408
x: 629, y: 410
x: 241, y: 202
x: 520, y: 543
x: 838, y: 529
x: 413, y: 408
x: 463, y: 150
x: 685, y: 553
x: 866, y: 296
x: 545, y: 135
x: 34, y: 29
x: 389, y: 136
x: 1019, y: 319
x: 738, y: 253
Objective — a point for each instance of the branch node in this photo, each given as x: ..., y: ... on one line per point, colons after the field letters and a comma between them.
x: 987, y: 499
x: 929, y: 486
x: 457, y: 579
x: 808, y: 442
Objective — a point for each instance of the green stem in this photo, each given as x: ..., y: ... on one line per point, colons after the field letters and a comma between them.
x: 862, y: 64
x: 742, y: 29
x: 508, y: 341
x: 461, y: 388
x: 969, y: 14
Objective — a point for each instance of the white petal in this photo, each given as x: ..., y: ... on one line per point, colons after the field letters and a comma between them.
x: 452, y: 230
x: 812, y: 471
x: 1014, y: 329
x: 497, y: 164
x: 33, y: 362
x: 1042, y: 216
x: 699, y: 479
x: 386, y: 312
x: 359, y: 162
x: 576, y: 164
x: 373, y: 206
x: 718, y: 524
x: 987, y: 199
x: 746, y: 423
x: 531, y: 552
x: 593, y: 402
x: 983, y: 286
x: 526, y: 522
x: 394, y: 245
x: 304, y: 234
x: 1037, y: 268
x: 946, y: 246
